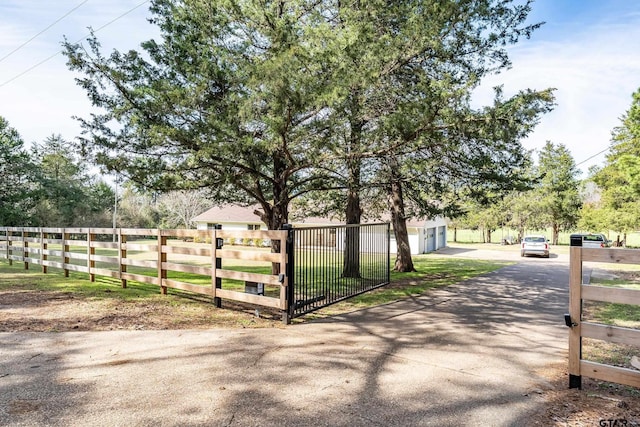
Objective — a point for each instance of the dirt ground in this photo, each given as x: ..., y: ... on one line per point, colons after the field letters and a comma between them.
x: 597, y: 404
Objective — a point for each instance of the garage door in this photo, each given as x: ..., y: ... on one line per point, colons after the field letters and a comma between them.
x: 442, y: 237
x: 431, y: 239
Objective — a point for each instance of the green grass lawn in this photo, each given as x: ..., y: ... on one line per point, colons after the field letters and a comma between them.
x: 622, y: 315
x: 16, y: 277
x: 475, y: 236
x: 432, y: 271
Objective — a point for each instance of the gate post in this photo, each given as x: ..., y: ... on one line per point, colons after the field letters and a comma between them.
x: 575, y: 311
x: 289, y: 247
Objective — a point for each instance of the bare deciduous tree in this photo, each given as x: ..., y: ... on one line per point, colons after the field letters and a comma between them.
x: 178, y: 208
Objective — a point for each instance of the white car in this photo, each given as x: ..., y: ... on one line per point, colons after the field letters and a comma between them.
x: 592, y: 240
x: 534, y: 244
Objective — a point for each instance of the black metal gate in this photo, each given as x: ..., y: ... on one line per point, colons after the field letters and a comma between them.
x: 330, y: 264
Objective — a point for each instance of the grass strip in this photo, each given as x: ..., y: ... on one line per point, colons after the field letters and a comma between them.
x: 431, y: 272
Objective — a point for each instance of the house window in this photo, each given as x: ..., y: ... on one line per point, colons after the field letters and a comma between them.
x: 211, y: 226
x: 253, y: 226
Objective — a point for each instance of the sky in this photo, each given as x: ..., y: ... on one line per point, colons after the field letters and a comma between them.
x: 588, y: 50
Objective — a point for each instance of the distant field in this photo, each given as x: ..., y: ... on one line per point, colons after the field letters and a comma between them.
x: 475, y: 236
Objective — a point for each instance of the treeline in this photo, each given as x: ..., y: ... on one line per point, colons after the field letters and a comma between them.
x: 606, y: 201
x: 50, y: 185
x: 553, y: 200
x: 614, y: 202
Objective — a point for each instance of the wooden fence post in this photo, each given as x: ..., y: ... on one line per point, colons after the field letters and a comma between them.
x: 3, y: 238
x: 25, y: 250
x: 91, y: 251
x: 43, y: 249
x: 9, y: 244
x: 216, y: 244
x: 65, y: 250
x: 575, y: 312
x: 162, y: 258
x: 122, y: 255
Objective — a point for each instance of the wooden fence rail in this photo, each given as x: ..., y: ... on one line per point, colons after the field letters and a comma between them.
x: 579, y: 292
x: 151, y: 250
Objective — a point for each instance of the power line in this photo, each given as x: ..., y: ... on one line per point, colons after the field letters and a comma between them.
x: 115, y: 19
x: 77, y: 41
x: 595, y: 155
x: 34, y: 37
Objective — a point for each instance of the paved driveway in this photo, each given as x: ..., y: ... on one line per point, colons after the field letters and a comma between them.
x: 467, y: 355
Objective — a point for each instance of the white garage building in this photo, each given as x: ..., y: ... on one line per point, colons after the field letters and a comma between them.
x: 424, y: 235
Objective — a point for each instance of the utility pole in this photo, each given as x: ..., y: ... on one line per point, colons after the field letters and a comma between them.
x: 115, y: 208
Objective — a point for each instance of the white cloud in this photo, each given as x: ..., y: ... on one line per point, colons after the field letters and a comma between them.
x: 594, y: 71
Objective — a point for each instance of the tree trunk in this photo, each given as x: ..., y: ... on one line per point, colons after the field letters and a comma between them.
x: 277, y: 214
x: 520, y: 233
x: 351, y: 265
x: 455, y: 234
x: 403, y: 263
x: 556, y: 233
x: 488, y: 235
x: 353, y: 214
